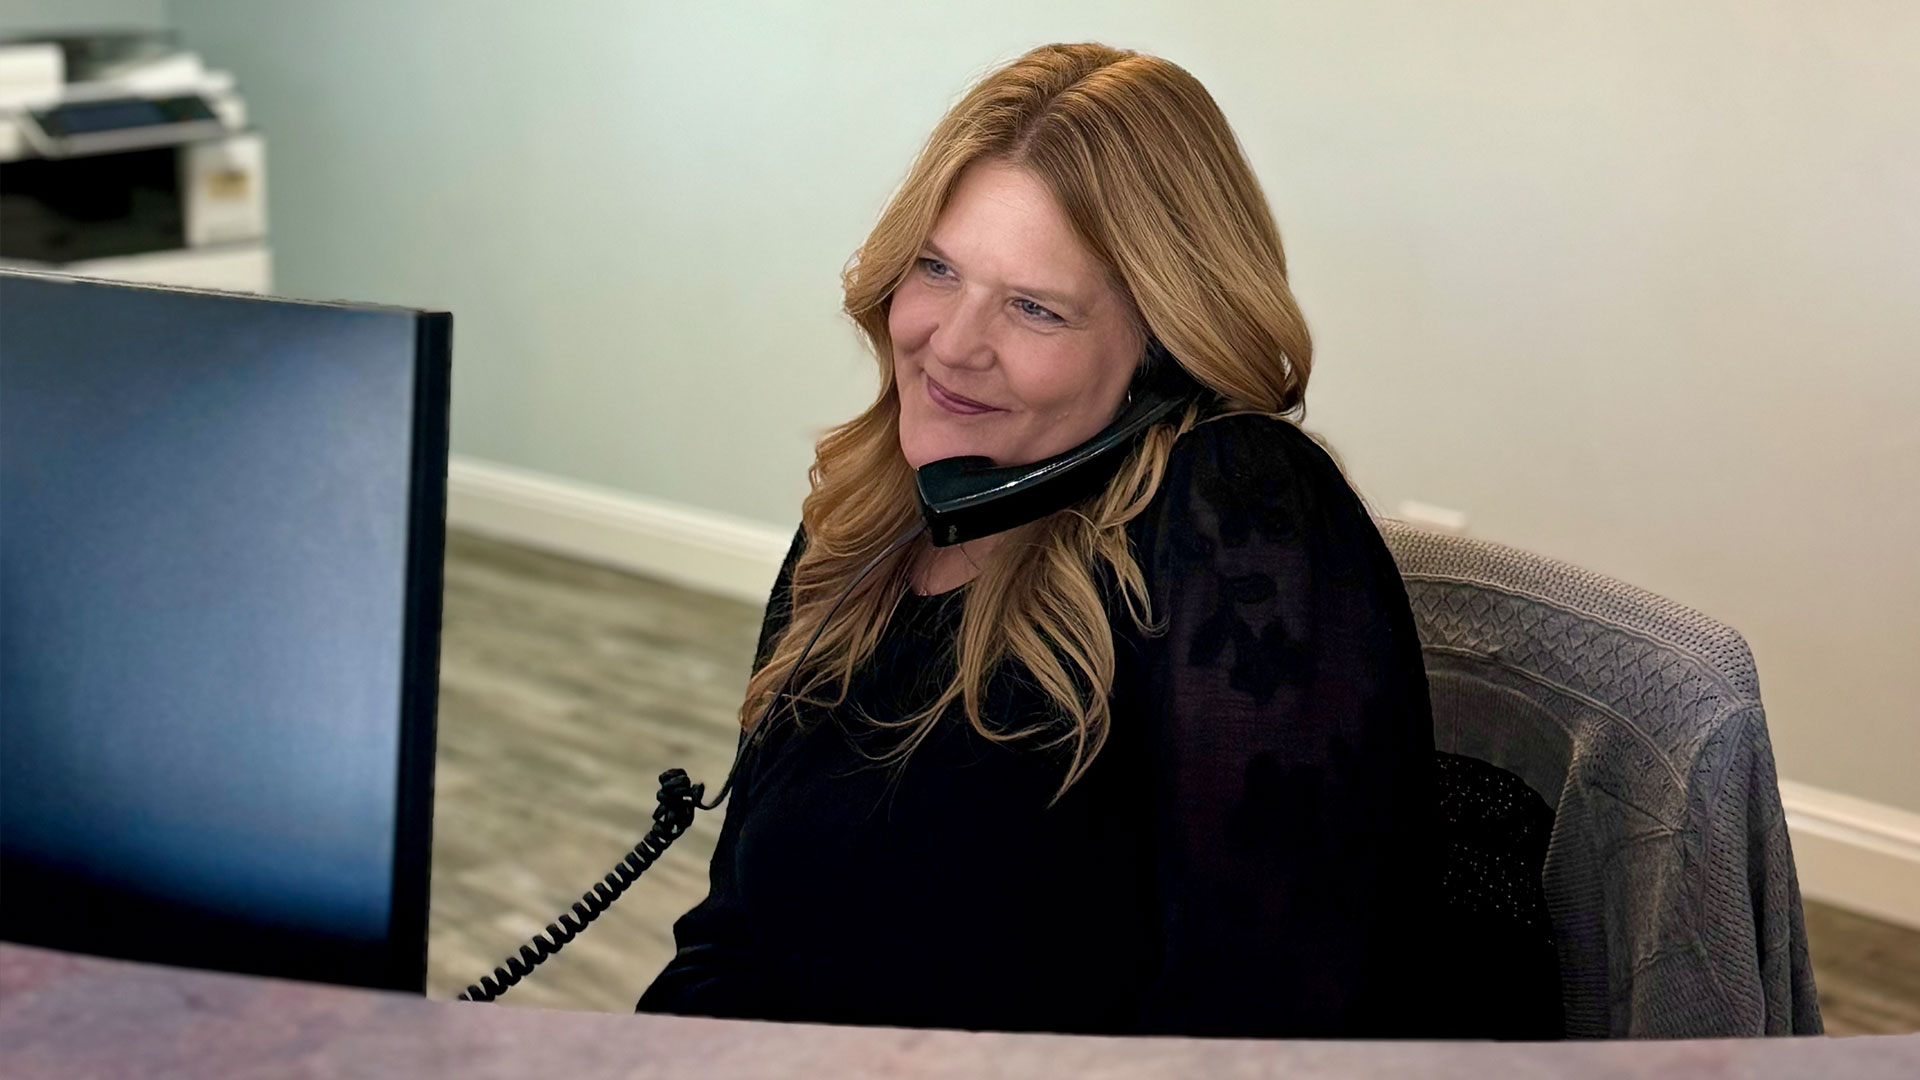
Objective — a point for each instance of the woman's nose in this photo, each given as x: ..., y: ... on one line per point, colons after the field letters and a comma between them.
x: 963, y: 337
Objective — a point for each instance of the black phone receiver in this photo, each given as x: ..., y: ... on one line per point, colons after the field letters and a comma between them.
x: 965, y: 498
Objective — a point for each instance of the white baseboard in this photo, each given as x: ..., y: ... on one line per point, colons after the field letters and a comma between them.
x: 697, y: 548
x: 1860, y: 855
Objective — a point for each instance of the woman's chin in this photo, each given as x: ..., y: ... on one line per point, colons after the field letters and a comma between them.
x: 923, y: 451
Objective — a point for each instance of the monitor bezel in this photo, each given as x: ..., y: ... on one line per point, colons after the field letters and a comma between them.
x: 411, y: 875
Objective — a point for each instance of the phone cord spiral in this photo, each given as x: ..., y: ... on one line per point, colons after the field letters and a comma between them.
x: 678, y: 798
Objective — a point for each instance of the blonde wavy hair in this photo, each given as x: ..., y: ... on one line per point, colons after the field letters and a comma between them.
x: 1152, y: 179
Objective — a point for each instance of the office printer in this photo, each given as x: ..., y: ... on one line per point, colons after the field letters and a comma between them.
x: 122, y: 156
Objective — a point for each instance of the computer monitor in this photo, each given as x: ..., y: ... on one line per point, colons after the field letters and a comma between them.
x: 222, y: 525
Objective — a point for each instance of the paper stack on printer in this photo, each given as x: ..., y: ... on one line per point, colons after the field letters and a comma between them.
x: 38, y: 77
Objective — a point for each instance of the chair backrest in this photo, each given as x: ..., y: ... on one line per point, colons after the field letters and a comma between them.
x: 1668, y: 875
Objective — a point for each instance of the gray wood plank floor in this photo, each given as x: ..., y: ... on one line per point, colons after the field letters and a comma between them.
x: 566, y: 689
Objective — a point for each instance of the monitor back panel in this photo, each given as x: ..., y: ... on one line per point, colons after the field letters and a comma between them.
x: 208, y: 509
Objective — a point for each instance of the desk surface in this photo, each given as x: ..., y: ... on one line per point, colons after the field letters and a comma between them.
x: 69, y: 1016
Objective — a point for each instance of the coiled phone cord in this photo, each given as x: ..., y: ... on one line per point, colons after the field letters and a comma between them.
x: 679, y: 798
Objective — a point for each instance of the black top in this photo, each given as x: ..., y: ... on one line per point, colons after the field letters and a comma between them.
x: 1250, y: 854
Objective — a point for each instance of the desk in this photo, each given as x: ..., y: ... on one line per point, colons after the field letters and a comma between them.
x: 69, y: 1016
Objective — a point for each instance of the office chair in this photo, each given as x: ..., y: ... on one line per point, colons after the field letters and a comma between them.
x: 1667, y: 874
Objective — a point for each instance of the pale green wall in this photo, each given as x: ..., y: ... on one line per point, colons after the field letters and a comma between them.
x: 1629, y: 282
x: 637, y: 213
x: 19, y: 17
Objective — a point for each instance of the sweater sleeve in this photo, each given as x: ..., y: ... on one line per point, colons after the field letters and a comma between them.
x: 1290, y: 747
x: 713, y: 970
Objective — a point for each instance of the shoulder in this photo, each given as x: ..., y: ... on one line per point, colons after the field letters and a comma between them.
x: 1261, y: 556
x: 783, y: 579
x: 1259, y: 464
x: 1244, y: 443
x: 779, y: 609
x: 1249, y: 503
x: 795, y: 548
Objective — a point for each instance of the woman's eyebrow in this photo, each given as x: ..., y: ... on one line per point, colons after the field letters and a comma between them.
x: 1049, y: 295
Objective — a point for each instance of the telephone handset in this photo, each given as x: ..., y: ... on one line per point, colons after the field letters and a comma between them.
x: 961, y: 499
x: 965, y: 498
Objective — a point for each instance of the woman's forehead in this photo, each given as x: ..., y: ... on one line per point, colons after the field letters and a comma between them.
x: 1001, y: 226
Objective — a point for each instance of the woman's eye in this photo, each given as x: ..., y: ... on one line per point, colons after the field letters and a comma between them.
x: 1038, y: 312
x: 936, y: 268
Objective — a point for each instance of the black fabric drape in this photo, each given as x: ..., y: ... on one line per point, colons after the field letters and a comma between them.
x: 1251, y: 854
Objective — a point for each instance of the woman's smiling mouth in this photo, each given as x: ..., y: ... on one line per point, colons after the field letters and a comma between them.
x: 953, y: 402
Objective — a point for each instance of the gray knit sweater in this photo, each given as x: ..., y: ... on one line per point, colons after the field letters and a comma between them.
x: 1669, y: 875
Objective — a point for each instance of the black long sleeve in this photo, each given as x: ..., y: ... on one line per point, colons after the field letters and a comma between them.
x: 1248, y: 854
x: 1291, y: 747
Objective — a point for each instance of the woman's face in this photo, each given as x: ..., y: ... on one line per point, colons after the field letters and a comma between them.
x: 1008, y: 341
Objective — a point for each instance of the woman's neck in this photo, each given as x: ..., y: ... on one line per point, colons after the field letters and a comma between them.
x: 941, y: 569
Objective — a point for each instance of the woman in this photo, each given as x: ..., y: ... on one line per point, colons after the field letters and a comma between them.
x: 1156, y: 763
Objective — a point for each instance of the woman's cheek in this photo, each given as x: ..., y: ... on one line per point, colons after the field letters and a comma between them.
x: 910, y: 316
